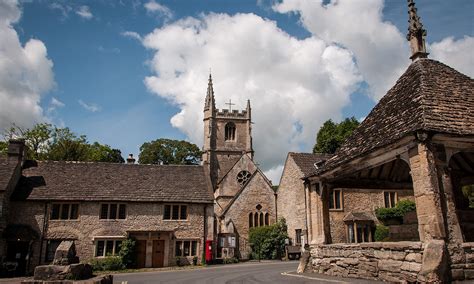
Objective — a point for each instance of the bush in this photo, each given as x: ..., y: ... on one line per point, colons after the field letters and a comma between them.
x: 268, y: 242
x: 109, y: 263
x: 397, y: 212
x: 230, y: 260
x: 127, y: 252
x: 381, y: 233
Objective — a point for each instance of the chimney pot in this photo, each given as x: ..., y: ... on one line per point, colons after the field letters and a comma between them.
x: 16, y: 148
x: 130, y: 159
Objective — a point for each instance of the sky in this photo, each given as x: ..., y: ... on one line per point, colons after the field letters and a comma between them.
x: 128, y: 72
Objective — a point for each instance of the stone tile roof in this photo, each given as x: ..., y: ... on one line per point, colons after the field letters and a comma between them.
x: 115, y: 182
x: 7, y: 169
x: 429, y: 96
x: 306, y: 161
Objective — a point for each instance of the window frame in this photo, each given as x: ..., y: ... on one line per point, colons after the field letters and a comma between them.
x: 230, y: 130
x: 117, y: 205
x: 104, y: 249
x: 332, y: 200
x: 181, y: 247
x: 179, y: 211
x: 70, y: 210
x: 392, y: 203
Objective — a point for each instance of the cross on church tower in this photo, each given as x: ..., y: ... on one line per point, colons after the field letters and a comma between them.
x: 230, y: 105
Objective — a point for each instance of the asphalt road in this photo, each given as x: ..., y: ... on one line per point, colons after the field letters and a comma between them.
x: 265, y: 272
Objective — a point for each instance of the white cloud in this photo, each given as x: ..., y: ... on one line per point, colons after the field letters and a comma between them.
x: 84, y: 12
x: 25, y: 72
x: 154, y: 7
x: 294, y: 85
x: 379, y: 48
x: 458, y: 54
x: 131, y: 34
x: 274, y: 174
x: 63, y: 8
x: 89, y: 106
x: 55, y: 104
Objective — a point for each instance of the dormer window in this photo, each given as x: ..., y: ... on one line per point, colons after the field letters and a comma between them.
x: 230, y: 131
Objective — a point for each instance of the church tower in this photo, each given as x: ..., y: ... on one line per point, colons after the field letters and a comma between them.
x: 227, y: 135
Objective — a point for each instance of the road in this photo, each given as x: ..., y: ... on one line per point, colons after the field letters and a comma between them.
x: 265, y: 272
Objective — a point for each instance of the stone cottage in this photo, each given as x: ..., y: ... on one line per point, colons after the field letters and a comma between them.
x: 244, y: 197
x: 417, y: 143
x: 167, y: 209
x: 292, y: 201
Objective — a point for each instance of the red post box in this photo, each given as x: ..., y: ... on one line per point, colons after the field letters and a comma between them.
x: 208, y: 251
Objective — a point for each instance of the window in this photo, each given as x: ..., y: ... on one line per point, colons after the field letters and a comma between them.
x: 107, y: 247
x: 243, y: 177
x: 335, y: 199
x: 230, y: 131
x: 250, y: 220
x: 359, y: 232
x: 390, y: 199
x: 64, y: 211
x: 51, y: 247
x: 267, y: 221
x: 175, y: 212
x: 186, y: 248
x: 298, y: 236
x: 113, y: 211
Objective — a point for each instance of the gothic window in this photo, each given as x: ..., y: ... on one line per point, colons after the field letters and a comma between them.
x: 243, y: 177
x: 230, y: 131
x: 267, y: 221
x: 250, y: 220
x: 255, y: 219
x: 261, y: 219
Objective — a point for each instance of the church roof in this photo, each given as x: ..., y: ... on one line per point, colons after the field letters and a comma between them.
x: 115, y: 182
x: 429, y: 96
x: 306, y: 161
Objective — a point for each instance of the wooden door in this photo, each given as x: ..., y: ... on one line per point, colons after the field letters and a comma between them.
x: 141, y: 253
x: 158, y: 253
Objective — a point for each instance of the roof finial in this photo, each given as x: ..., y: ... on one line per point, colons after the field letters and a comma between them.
x: 416, y: 34
x: 210, y: 101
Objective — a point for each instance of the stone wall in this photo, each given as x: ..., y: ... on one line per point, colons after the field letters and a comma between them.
x: 291, y: 199
x: 358, y: 200
x: 391, y: 261
x: 465, y: 270
x: 88, y: 227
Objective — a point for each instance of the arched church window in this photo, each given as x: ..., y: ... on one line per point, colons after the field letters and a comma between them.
x: 267, y: 221
x: 230, y: 131
x: 261, y: 219
x: 250, y: 220
x: 243, y: 177
x: 255, y: 219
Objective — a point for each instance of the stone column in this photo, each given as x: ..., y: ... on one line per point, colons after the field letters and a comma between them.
x: 308, y: 213
x: 426, y: 189
x: 318, y: 216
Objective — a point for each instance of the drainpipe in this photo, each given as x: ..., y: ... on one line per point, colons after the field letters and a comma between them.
x: 45, y: 225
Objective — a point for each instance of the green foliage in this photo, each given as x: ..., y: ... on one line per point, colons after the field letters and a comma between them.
x: 108, y: 263
x: 3, y: 147
x: 381, y: 233
x: 169, y: 151
x: 47, y: 142
x: 397, y: 212
x: 230, y: 260
x: 468, y: 192
x: 268, y: 242
x: 127, y: 252
x: 331, y: 135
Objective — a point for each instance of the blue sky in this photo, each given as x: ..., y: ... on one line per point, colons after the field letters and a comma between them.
x: 100, y: 87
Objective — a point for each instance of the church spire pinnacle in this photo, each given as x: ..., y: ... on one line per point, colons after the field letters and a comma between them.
x: 210, y: 101
x: 416, y: 34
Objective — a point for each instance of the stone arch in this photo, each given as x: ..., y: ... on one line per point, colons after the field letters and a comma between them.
x: 229, y: 134
x: 461, y: 165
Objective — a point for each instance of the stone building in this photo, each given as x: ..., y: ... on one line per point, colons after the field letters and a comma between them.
x: 292, y: 194
x: 418, y: 143
x: 167, y: 209
x: 244, y: 197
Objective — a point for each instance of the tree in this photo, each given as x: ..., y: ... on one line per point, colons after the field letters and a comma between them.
x: 67, y: 146
x: 169, y: 151
x: 331, y: 135
x: 104, y: 153
x: 268, y: 242
x: 3, y: 147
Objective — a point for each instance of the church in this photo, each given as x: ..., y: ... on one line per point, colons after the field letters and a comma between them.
x: 244, y: 197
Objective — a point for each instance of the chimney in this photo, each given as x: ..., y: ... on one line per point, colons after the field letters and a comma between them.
x: 16, y: 148
x: 130, y: 159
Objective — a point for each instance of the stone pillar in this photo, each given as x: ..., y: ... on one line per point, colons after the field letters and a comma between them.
x: 308, y: 213
x: 426, y: 189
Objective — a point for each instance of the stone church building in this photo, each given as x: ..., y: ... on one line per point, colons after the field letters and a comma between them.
x: 244, y: 197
